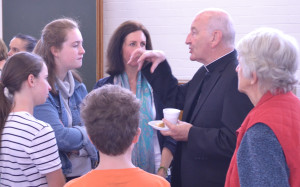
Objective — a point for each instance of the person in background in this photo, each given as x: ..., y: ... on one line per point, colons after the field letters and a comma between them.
x: 3, y: 55
x: 267, y: 151
x: 21, y: 42
x: 213, y: 108
x: 37, y: 48
x: 154, y: 152
x: 28, y: 150
x: 61, y: 47
x: 111, y: 115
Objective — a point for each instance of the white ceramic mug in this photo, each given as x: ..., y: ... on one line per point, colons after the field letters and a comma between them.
x: 171, y: 114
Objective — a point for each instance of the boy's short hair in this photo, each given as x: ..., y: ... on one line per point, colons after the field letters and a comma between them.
x: 111, y: 117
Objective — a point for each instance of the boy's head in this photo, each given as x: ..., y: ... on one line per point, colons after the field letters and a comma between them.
x: 111, y: 117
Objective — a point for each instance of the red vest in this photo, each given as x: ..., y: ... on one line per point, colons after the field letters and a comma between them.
x: 282, y: 114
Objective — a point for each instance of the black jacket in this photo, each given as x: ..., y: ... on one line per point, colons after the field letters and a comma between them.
x: 203, y: 160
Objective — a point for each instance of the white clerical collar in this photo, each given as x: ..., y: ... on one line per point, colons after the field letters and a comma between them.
x: 205, y: 66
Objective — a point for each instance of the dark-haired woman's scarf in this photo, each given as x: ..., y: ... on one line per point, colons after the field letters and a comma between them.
x: 143, y: 152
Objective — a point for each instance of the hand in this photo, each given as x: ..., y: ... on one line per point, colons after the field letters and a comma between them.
x: 136, y: 54
x: 139, y: 56
x: 179, y: 132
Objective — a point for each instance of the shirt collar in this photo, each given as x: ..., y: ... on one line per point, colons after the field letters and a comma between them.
x: 209, y: 67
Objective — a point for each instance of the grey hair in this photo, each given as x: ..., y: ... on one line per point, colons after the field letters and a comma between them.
x: 273, y: 56
x: 221, y: 20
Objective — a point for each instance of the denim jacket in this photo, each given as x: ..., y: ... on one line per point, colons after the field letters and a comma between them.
x: 68, y: 138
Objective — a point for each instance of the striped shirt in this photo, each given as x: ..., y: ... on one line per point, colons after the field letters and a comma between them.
x: 28, y: 151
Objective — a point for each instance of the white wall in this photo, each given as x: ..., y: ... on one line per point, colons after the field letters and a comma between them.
x: 168, y: 22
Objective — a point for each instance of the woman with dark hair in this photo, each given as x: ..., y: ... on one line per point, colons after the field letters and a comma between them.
x: 153, y: 152
x: 28, y: 152
x: 21, y: 42
x: 61, y: 47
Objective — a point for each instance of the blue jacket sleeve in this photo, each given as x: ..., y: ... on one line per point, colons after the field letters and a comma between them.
x: 68, y: 139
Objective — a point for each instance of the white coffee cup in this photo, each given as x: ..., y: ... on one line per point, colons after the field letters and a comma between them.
x: 171, y: 114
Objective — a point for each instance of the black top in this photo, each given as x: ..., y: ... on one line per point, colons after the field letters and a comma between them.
x: 219, y: 111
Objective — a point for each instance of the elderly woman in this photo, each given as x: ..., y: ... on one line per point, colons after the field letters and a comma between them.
x: 153, y: 152
x: 267, y: 150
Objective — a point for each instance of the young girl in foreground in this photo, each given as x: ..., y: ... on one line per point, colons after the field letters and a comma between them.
x: 28, y: 152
